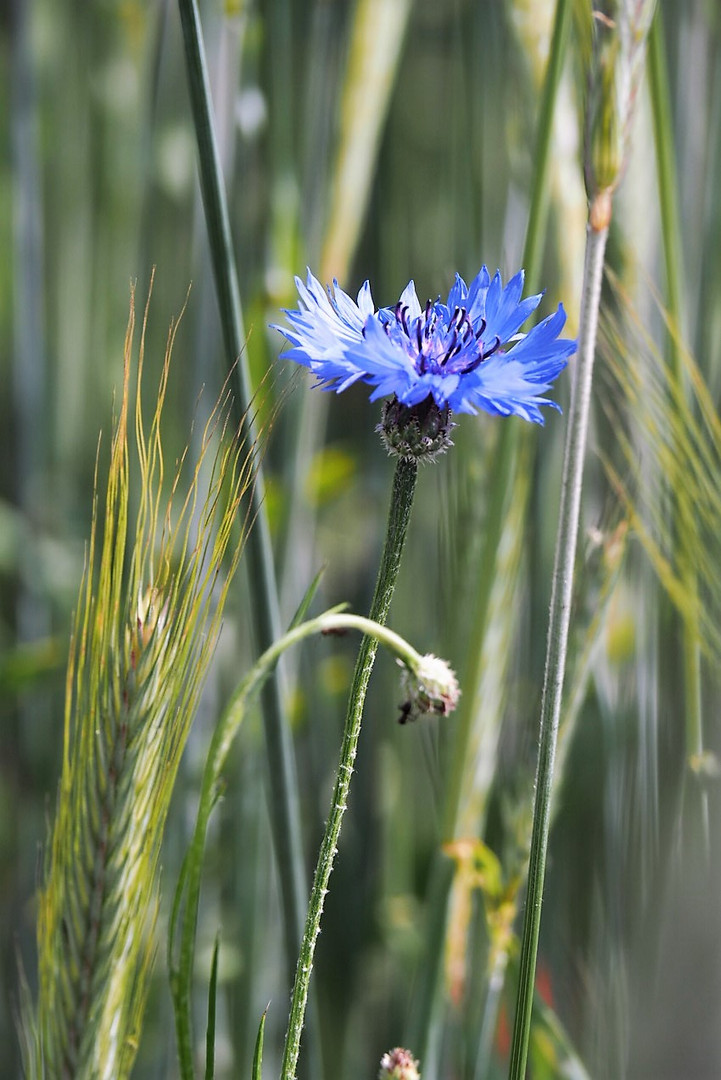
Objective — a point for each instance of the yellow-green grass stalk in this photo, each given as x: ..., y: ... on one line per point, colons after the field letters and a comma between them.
x: 684, y: 508
x: 671, y: 423
x: 147, y: 623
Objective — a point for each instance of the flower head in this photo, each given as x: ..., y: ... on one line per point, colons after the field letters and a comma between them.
x: 398, y: 1064
x: 466, y: 353
x: 430, y: 686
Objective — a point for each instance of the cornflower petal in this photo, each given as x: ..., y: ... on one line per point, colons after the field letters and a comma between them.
x: 409, y: 299
x: 466, y: 354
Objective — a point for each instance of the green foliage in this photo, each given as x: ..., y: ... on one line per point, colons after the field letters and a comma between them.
x: 212, y: 1004
x: 668, y: 437
x: 258, y: 1055
x: 383, y: 140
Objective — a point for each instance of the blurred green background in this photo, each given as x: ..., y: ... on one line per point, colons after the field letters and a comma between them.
x: 383, y: 139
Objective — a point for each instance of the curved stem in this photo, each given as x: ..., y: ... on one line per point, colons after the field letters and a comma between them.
x: 188, y: 889
x: 398, y: 518
x: 557, y: 641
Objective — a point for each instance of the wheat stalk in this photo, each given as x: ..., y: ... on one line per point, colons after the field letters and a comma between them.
x: 148, y: 619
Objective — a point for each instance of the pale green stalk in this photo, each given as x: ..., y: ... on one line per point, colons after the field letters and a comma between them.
x: 378, y: 32
x: 283, y: 801
x: 673, y: 258
x: 398, y: 517
x: 557, y: 642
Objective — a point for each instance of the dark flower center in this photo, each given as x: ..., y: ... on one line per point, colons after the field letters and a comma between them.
x: 440, y: 346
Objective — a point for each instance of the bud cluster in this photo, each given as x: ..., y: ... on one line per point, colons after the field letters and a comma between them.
x: 398, y: 1064
x: 415, y: 431
x: 431, y: 687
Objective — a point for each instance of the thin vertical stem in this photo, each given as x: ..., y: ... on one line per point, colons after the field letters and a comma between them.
x: 398, y: 517
x: 284, y: 802
x: 557, y: 641
x: 673, y: 259
x: 538, y: 213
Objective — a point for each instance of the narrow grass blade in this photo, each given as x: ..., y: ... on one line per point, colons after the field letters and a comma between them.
x: 257, y: 1073
x: 284, y: 801
x: 673, y: 258
x: 212, y: 1000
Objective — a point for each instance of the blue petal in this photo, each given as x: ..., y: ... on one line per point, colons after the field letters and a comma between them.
x: 505, y: 312
x: 409, y: 299
x: 343, y: 341
x: 458, y: 295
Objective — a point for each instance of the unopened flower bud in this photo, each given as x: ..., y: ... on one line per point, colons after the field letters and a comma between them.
x: 398, y: 1064
x: 431, y: 687
x: 416, y: 431
x: 619, y: 39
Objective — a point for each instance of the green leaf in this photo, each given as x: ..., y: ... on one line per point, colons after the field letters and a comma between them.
x: 210, y: 1036
x: 307, y: 600
x: 258, y: 1055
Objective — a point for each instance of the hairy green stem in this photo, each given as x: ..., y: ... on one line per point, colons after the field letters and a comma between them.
x: 283, y: 801
x: 557, y: 642
x: 398, y: 517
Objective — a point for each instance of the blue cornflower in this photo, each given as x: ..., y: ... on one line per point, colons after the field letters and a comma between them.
x: 465, y: 354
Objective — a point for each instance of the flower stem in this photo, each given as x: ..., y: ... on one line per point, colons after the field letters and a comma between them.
x: 557, y: 641
x: 398, y: 517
